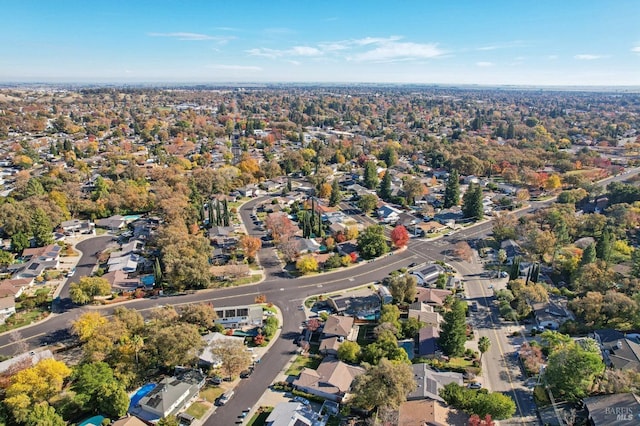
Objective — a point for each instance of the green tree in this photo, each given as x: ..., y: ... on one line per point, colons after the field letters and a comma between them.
x: 604, y: 245
x: 478, y: 402
x: 19, y: 242
x: 370, y: 175
x: 402, y: 287
x: 389, y: 155
x: 385, y: 385
x: 234, y: 357
x: 6, y: 258
x: 454, y: 329
x: 42, y: 228
x: 367, y: 203
x: 336, y: 194
x: 173, y: 345
x: 201, y: 314
x: 411, y: 327
x: 384, y: 191
x: 88, y: 288
x: 171, y: 420
x: 413, y: 189
x: 571, y: 371
x: 372, y: 242
x: 97, y: 390
x: 483, y: 345
x: 452, y: 190
x: 472, y: 202
x: 349, y: 352
x: 589, y: 254
x: 635, y: 258
x: 43, y: 414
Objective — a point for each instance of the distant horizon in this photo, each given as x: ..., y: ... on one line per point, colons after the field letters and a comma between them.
x: 567, y: 43
x: 284, y: 84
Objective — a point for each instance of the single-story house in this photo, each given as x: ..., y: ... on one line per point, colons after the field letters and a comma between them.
x: 618, y: 350
x: 428, y: 274
x: 428, y: 341
x: 430, y: 382
x: 120, y: 280
x: 240, y: 316
x: 112, y: 223
x: 14, y: 287
x: 206, y: 358
x: 613, y: 410
x: 553, y: 313
x: 173, y: 393
x: 329, y: 346
x: 133, y: 246
x: 347, y: 247
x: 339, y: 326
x: 512, y: 249
x: 388, y: 214
x: 365, y: 305
x: 427, y: 412
x: 129, y: 421
x: 77, y: 225
x: 424, y: 313
x: 128, y: 263
x: 294, y: 414
x: 432, y: 296
x: 431, y: 227
x: 332, y: 380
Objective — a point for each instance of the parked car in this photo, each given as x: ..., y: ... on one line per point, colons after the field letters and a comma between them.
x: 413, y: 265
x: 246, y: 373
x: 225, y: 397
x: 301, y: 400
x: 216, y: 380
x: 474, y: 385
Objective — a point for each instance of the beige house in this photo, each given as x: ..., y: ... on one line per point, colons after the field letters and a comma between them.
x: 332, y: 380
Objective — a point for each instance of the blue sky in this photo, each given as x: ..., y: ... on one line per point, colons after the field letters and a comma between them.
x: 521, y: 42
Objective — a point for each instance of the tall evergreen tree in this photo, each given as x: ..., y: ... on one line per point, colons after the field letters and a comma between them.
x: 384, y: 191
x: 511, y: 131
x: 452, y: 190
x: 589, y: 254
x: 454, y: 330
x: 472, y: 202
x: 604, y: 245
x: 226, y: 213
x: 370, y: 175
x: 218, y: 214
x: 42, y: 228
x: 336, y: 194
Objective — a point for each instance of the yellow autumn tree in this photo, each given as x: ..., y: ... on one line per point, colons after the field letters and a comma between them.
x: 325, y: 190
x: 87, y: 324
x: 553, y: 183
x: 307, y: 264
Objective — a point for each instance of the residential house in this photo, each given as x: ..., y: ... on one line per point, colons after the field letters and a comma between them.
x: 339, y: 326
x: 70, y: 227
x: 294, y: 414
x: 37, y: 260
x: 133, y: 246
x: 428, y: 274
x: 428, y: 341
x: 618, y: 409
x: 14, y: 287
x: 425, y: 412
x: 332, y: 380
x: 307, y: 245
x: 388, y: 214
x: 127, y: 263
x: 208, y: 359
x: 329, y: 346
x: 619, y: 351
x: 347, y: 247
x: 424, y: 313
x: 384, y: 294
x: 407, y: 220
x: 432, y: 296
x: 112, y: 223
x: 365, y: 305
x: 431, y: 227
x: 553, y: 313
x: 239, y: 317
x: 430, y: 382
x: 120, y: 280
x: 129, y: 421
x: 7, y: 307
x: 221, y: 235
x: 449, y: 217
x: 172, y: 394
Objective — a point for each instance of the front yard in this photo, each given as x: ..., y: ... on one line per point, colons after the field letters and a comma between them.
x: 301, y: 362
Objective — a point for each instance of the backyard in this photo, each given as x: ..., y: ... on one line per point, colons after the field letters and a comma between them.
x: 301, y: 362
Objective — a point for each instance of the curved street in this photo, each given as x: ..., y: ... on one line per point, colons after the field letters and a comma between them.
x: 288, y: 294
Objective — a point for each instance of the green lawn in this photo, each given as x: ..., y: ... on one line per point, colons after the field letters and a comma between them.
x: 302, y: 362
x: 211, y: 393
x: 197, y: 410
x: 260, y: 417
x: 20, y: 319
x: 459, y: 362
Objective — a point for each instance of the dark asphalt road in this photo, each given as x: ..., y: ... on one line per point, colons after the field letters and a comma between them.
x: 281, y: 290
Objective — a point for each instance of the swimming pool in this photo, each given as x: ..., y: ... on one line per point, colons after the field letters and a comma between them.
x: 93, y: 421
x: 132, y: 217
x: 139, y: 394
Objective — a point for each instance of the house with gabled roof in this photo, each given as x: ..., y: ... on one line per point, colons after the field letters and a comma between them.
x: 427, y: 343
x: 331, y: 380
x: 424, y: 313
x: 619, y: 351
x: 339, y: 326
x: 613, y: 410
x: 429, y: 382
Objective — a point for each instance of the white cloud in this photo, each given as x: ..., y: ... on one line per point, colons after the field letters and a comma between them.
x: 484, y: 64
x: 279, y: 53
x: 235, y: 67
x: 374, y: 40
x: 394, y: 51
x: 587, y: 57
x: 183, y: 36
x: 635, y: 49
x: 505, y: 45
